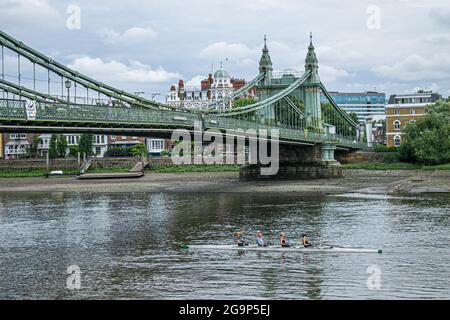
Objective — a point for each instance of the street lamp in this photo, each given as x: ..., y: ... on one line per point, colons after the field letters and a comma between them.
x: 68, y: 85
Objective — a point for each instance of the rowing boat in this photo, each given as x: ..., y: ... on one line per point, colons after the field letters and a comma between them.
x: 324, y: 249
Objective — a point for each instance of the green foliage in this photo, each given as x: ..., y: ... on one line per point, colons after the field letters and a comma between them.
x: 428, y: 140
x: 57, y: 147
x: 118, y: 152
x: 165, y: 153
x: 85, y: 145
x: 330, y: 116
x: 32, y: 151
x: 391, y: 158
x: 139, y: 150
x: 241, y: 102
x: 394, y: 166
x: 61, y: 145
x: 73, y: 151
x: 383, y: 148
x: 354, y: 117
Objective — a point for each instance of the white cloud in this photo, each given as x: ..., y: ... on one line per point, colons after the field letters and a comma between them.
x: 195, y: 81
x: 330, y: 73
x: 132, y: 35
x: 119, y: 72
x: 232, y: 51
x: 28, y: 12
x: 432, y: 86
x: 415, y: 67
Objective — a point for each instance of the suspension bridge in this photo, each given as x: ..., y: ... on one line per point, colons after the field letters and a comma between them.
x: 38, y: 94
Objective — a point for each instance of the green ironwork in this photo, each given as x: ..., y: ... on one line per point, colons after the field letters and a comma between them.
x: 289, y: 102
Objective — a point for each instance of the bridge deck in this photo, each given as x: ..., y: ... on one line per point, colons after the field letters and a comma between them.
x: 115, y: 119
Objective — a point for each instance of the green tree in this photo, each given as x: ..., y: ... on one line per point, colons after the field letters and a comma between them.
x: 73, y: 150
x: 241, y: 102
x: 85, y: 145
x: 428, y: 140
x: 53, y: 151
x: 354, y: 117
x: 32, y: 151
x: 61, y: 145
x: 139, y: 150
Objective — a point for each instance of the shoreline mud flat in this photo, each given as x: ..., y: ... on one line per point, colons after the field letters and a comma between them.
x: 361, y: 181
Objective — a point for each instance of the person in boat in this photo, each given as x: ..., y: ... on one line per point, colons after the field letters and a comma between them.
x: 259, y: 239
x: 305, y: 241
x: 283, y: 242
x: 240, y: 239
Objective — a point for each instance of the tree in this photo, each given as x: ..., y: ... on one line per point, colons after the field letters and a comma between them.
x: 139, y: 150
x: 428, y: 140
x: 85, y: 145
x: 73, y: 151
x: 32, y: 151
x: 354, y: 117
x: 241, y: 102
x: 61, y: 145
x: 53, y: 151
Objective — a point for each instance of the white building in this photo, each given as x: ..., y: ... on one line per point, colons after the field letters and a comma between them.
x: 17, y: 145
x: 221, y: 87
x: 211, y: 89
x: 99, y: 143
x: 155, y: 146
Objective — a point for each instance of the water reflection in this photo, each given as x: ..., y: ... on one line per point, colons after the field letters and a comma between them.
x: 127, y: 245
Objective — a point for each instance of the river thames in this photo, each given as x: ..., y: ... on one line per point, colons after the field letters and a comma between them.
x: 127, y: 245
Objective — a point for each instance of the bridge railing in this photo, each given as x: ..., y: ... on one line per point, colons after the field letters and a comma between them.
x: 16, y: 110
x: 104, y: 115
x: 286, y: 132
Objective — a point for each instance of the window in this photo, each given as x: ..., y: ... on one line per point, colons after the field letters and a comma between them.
x: 157, y: 145
x: 412, y: 121
x: 397, y: 125
x: 17, y: 136
x: 98, y: 150
x: 397, y: 140
x: 113, y: 137
x: 412, y: 111
x: 396, y: 111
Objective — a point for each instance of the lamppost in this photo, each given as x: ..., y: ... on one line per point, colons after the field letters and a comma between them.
x: 68, y: 85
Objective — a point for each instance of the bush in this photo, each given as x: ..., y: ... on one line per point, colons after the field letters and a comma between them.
x: 427, y: 141
x: 165, y: 153
x: 391, y: 158
x: 118, y: 152
x: 383, y: 148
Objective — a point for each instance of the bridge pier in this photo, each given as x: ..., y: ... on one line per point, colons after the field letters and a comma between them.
x: 299, y: 163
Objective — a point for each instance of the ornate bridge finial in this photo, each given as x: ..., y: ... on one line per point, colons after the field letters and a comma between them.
x: 310, y: 38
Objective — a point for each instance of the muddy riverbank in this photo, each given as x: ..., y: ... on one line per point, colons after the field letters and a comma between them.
x: 365, y: 181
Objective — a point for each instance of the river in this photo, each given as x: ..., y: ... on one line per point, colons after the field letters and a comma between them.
x: 127, y: 245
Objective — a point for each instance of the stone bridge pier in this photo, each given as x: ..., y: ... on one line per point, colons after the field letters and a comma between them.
x: 299, y: 162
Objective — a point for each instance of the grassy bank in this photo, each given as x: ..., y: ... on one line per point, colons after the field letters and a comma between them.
x: 30, y: 173
x: 394, y: 166
x: 198, y: 168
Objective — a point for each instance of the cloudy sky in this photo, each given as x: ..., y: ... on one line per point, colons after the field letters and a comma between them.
x: 385, y: 45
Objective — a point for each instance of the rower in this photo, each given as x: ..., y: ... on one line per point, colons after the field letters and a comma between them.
x: 283, y: 240
x: 240, y: 239
x: 259, y: 239
x: 305, y: 241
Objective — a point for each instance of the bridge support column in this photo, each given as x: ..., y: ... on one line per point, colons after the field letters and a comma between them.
x: 298, y: 163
